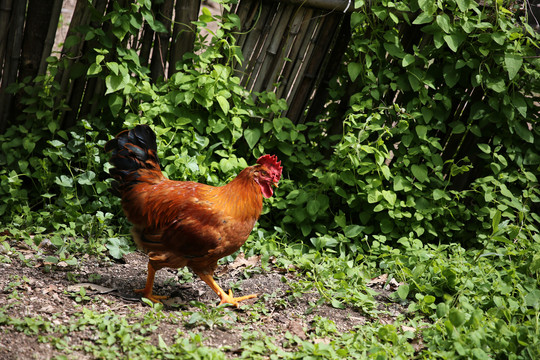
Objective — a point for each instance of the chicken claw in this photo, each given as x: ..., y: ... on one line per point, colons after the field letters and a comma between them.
x: 230, y: 299
x: 148, y: 294
x: 225, y: 298
x: 147, y: 291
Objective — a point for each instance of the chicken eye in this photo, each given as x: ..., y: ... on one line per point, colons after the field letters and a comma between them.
x: 264, y: 173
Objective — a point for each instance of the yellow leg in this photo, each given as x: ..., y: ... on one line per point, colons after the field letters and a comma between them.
x: 147, y: 291
x: 225, y: 298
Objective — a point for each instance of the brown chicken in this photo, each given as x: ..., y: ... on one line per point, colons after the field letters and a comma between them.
x: 184, y: 223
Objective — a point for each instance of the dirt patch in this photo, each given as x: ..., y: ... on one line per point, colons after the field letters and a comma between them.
x: 32, y: 289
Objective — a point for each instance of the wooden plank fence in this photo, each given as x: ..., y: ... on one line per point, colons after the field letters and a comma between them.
x: 287, y: 47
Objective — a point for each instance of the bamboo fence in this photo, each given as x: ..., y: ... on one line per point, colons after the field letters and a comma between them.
x: 287, y: 47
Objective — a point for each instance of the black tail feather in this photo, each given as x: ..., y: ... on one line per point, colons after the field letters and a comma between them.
x: 131, y: 151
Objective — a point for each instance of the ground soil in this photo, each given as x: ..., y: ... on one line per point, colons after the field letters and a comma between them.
x: 47, y: 291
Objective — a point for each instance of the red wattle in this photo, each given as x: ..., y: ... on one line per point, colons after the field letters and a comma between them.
x: 266, y: 189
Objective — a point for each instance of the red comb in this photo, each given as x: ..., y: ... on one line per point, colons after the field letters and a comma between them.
x: 271, y: 161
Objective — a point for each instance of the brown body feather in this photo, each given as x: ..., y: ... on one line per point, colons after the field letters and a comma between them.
x: 192, y: 224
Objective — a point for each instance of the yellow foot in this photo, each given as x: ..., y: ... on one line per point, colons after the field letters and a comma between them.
x: 230, y: 299
x: 150, y: 296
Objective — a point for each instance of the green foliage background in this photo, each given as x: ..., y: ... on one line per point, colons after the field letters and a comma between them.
x: 433, y: 176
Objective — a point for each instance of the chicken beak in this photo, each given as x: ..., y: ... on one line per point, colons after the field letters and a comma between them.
x: 275, y: 184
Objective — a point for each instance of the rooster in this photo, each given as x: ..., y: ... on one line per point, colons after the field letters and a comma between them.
x: 185, y: 223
